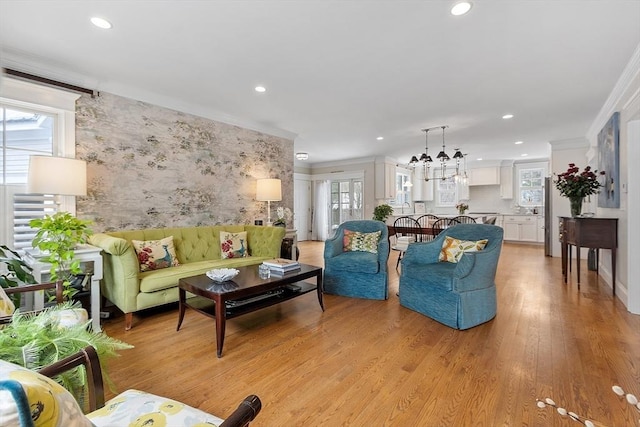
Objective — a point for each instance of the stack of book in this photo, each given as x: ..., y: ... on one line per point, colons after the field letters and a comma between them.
x: 282, y: 265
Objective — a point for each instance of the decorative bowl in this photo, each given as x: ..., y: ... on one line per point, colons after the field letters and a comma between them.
x: 222, y: 274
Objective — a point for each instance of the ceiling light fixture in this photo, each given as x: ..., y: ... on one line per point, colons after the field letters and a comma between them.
x: 507, y: 116
x: 302, y: 156
x: 101, y: 23
x: 260, y: 89
x: 524, y: 155
x: 519, y: 142
x: 380, y: 138
x: 425, y: 158
x: 461, y: 8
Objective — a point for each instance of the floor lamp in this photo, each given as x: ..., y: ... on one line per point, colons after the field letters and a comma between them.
x: 269, y: 190
x: 60, y: 176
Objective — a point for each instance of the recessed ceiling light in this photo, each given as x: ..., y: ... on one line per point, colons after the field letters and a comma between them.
x: 479, y: 158
x: 261, y: 89
x: 524, y: 155
x: 461, y: 8
x: 507, y: 116
x: 101, y: 23
x: 380, y: 138
x: 519, y: 142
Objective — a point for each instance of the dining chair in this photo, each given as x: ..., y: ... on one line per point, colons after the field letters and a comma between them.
x: 464, y: 219
x: 426, y: 222
x: 440, y: 225
x: 409, y: 230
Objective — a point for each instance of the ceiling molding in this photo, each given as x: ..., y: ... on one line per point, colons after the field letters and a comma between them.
x: 629, y: 75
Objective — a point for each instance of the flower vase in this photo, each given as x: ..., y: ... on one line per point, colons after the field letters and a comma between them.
x: 576, y: 205
x: 461, y: 211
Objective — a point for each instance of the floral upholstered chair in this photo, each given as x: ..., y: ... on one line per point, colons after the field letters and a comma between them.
x: 355, y: 260
x: 30, y: 398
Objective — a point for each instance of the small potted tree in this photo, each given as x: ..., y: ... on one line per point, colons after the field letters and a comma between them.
x: 382, y: 212
x: 57, y: 237
x: 13, y: 271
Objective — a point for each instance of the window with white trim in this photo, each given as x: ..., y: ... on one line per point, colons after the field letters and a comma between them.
x: 531, y: 187
x: 35, y: 120
x: 446, y: 192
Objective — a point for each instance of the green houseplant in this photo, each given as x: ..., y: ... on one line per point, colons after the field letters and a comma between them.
x: 57, y: 237
x: 382, y: 212
x: 13, y: 271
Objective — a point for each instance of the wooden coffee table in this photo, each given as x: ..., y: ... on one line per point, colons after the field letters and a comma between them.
x: 246, y: 293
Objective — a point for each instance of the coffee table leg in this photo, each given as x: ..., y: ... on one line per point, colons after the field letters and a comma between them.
x: 181, y: 306
x: 221, y: 320
x: 320, y: 289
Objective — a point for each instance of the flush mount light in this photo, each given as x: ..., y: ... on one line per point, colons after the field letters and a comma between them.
x: 380, y: 138
x: 507, y: 116
x: 261, y: 89
x: 101, y: 23
x: 302, y: 156
x: 461, y: 8
x: 519, y: 142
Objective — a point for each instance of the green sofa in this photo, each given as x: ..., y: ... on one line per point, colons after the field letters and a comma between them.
x: 197, y: 249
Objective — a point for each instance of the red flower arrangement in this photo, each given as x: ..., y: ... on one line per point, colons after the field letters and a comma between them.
x: 574, y: 183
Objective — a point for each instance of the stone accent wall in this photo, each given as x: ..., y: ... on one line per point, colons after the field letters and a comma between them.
x: 149, y: 166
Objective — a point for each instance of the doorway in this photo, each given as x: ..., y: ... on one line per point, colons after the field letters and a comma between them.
x: 346, y: 201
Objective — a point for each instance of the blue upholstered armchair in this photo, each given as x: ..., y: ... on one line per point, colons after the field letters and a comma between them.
x: 357, y: 274
x: 460, y: 295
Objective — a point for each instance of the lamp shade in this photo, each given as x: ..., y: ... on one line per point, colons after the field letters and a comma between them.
x: 268, y: 190
x: 57, y: 176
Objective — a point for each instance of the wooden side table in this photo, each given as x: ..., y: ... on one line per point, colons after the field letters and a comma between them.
x: 90, y: 262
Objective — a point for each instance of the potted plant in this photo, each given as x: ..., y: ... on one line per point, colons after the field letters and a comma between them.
x: 382, y: 212
x: 57, y: 237
x: 13, y: 271
x: 284, y: 216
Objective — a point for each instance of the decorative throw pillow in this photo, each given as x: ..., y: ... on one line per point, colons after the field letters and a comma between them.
x: 233, y: 245
x: 155, y: 254
x: 452, y: 248
x: 50, y: 404
x: 6, y: 305
x: 363, y: 242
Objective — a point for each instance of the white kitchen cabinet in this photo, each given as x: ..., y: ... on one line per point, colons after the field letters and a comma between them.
x: 506, y: 182
x: 422, y: 190
x: 385, y: 180
x: 520, y: 228
x: 484, y: 176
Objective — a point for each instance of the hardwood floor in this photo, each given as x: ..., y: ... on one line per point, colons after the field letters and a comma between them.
x: 375, y: 363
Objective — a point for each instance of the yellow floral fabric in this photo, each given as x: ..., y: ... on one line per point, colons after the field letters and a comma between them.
x: 452, y: 248
x: 51, y: 405
x: 135, y: 408
x: 6, y: 305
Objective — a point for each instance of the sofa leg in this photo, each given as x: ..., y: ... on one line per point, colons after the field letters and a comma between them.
x: 128, y: 321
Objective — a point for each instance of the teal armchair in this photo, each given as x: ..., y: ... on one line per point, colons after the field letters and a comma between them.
x: 460, y: 295
x: 357, y: 274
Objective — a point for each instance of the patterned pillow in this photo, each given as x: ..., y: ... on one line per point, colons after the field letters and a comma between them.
x: 6, y: 305
x: 452, y: 249
x: 363, y: 242
x: 136, y: 408
x: 155, y: 254
x: 51, y: 405
x: 233, y: 245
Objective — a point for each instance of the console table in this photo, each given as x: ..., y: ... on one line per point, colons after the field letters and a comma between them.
x: 595, y: 233
x: 90, y: 262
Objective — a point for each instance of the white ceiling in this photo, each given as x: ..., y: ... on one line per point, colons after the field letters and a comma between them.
x: 340, y: 73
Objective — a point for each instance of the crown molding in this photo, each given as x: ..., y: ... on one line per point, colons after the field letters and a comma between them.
x: 630, y: 73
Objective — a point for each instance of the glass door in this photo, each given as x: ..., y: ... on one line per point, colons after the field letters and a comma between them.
x: 346, y: 201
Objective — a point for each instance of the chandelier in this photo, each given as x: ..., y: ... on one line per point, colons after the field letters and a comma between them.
x: 442, y: 157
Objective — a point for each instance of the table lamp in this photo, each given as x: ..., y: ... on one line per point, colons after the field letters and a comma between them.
x: 269, y: 190
x: 60, y: 176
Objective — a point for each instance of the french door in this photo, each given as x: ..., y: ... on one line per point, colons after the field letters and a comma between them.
x: 346, y: 201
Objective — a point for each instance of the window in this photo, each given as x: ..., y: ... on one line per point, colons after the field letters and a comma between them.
x: 34, y: 120
x: 346, y: 201
x: 531, y: 190
x: 403, y: 188
x: 446, y: 192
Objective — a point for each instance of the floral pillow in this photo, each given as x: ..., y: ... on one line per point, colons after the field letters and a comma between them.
x: 233, y: 245
x: 155, y: 254
x: 363, y: 242
x: 452, y: 248
x: 49, y: 404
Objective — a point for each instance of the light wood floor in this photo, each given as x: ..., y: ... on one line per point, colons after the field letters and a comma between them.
x: 375, y: 363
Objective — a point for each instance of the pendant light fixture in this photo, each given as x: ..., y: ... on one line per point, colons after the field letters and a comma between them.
x: 442, y: 156
x: 425, y: 158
